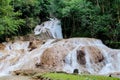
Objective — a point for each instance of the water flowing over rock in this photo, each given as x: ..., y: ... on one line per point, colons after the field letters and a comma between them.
x: 52, y: 53
x: 49, y: 29
x: 88, y: 55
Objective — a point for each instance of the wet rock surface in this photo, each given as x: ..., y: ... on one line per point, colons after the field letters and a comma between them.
x: 85, y: 54
x: 81, y: 57
x: 2, y: 46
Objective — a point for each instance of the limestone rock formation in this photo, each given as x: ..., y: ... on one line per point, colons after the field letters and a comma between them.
x: 88, y: 55
x: 2, y: 46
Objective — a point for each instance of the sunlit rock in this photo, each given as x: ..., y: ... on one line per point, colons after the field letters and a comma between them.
x: 2, y: 46
x: 88, y: 55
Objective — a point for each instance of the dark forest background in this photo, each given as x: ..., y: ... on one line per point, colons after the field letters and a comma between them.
x: 80, y: 18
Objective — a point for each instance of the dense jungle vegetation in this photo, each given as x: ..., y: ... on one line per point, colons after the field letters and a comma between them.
x: 80, y: 18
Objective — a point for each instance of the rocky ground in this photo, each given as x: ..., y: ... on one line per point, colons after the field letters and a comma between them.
x: 16, y: 78
x: 23, y: 75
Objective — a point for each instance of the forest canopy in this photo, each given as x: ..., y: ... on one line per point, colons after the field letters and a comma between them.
x: 80, y: 18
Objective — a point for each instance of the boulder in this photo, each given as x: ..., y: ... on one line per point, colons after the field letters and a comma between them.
x: 2, y: 46
x: 53, y: 56
x: 95, y: 54
x: 81, y: 57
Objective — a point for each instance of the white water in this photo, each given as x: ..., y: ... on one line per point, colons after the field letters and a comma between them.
x: 52, y: 28
x: 20, y: 58
x: 96, y: 57
x: 110, y: 64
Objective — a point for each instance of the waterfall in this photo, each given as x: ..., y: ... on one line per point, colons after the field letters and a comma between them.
x: 92, y: 57
x: 50, y: 29
x: 88, y: 55
x: 18, y: 57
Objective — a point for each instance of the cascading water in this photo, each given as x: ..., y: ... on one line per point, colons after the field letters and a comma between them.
x: 92, y: 57
x: 51, y: 29
x: 88, y: 55
x: 18, y: 57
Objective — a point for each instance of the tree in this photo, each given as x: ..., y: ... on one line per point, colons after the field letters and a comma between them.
x: 33, y: 12
x: 88, y: 18
x: 9, y: 21
x: 30, y: 10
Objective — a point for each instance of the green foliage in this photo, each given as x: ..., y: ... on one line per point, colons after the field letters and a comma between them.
x: 9, y: 21
x: 88, y: 18
x: 33, y: 12
x: 30, y: 10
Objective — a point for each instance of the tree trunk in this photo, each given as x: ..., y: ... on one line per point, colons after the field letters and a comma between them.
x: 97, y: 3
x: 118, y: 15
x: 73, y: 26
